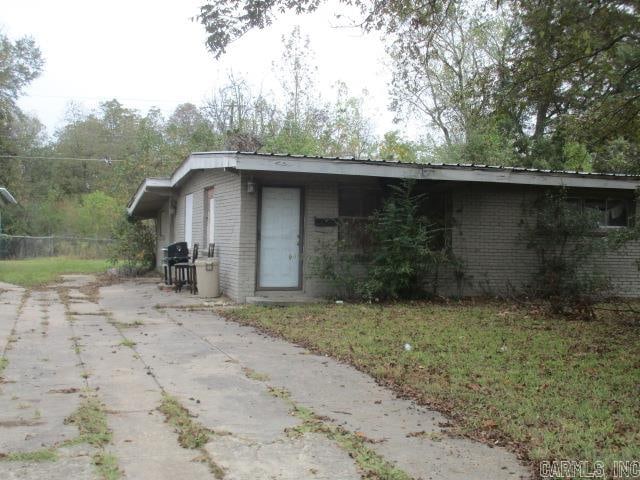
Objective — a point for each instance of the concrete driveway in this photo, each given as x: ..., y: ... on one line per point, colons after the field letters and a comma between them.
x: 270, y: 409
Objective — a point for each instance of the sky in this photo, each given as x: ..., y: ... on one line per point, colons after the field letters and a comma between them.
x: 150, y: 53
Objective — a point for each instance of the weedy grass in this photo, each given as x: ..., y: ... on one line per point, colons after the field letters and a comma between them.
x: 372, y: 465
x: 549, y: 388
x: 40, y: 271
x: 134, y: 324
x: 107, y: 466
x: 128, y: 343
x: 191, y: 434
x: 44, y: 455
x: 253, y: 375
x: 91, y: 422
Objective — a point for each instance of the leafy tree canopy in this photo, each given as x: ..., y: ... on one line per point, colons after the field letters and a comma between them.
x: 550, y: 83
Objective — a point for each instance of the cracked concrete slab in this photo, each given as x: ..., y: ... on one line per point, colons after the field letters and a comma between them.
x: 40, y: 364
x: 72, y: 463
x: 303, y: 458
x: 134, y: 353
x: 331, y: 389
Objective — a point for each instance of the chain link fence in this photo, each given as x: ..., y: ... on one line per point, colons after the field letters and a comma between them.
x: 17, y: 247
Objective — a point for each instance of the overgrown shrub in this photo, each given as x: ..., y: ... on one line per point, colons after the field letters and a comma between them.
x: 402, y: 257
x: 134, y: 246
x: 400, y: 261
x: 567, y: 240
x: 342, y: 269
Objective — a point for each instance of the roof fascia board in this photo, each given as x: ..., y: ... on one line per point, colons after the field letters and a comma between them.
x: 331, y: 167
x: 6, y: 194
x: 144, y: 187
x: 527, y: 178
x: 422, y: 172
x: 202, y: 161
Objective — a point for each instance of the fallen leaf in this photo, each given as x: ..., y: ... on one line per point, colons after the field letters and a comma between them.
x: 489, y: 424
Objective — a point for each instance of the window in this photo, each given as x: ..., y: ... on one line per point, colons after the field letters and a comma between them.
x: 358, y: 202
x: 355, y: 206
x: 611, y: 212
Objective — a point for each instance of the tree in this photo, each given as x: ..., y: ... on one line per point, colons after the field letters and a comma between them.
x: 551, y: 77
x: 20, y: 63
x: 445, y: 76
x: 394, y: 147
x: 574, y: 73
x: 296, y: 73
x: 228, y: 20
x: 351, y: 129
x: 241, y: 117
x: 187, y: 130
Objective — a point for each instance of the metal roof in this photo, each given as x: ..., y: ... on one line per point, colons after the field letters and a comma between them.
x: 151, y: 191
x: 475, y: 166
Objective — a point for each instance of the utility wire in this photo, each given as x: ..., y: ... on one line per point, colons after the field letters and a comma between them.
x: 106, y: 160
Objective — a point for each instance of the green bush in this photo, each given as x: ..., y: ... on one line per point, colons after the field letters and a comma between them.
x: 566, y: 240
x: 403, y: 260
x: 134, y: 246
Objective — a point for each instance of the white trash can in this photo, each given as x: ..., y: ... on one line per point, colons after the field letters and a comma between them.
x: 208, y: 276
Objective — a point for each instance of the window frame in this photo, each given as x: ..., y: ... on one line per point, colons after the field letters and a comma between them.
x: 346, y: 242
x: 630, y: 206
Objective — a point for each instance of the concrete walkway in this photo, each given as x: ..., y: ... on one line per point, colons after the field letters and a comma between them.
x: 136, y: 344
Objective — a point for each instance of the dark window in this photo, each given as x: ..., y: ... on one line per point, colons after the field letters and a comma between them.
x: 356, y: 205
x: 617, y: 213
x: 358, y: 202
x: 611, y: 212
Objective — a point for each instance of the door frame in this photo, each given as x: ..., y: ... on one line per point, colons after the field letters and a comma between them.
x: 300, y: 243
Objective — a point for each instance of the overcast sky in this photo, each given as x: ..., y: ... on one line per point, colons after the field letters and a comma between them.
x: 149, y: 53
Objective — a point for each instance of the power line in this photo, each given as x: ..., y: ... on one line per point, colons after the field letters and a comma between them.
x: 106, y: 160
x: 109, y: 98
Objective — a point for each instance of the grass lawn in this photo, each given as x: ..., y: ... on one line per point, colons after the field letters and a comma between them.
x: 40, y: 271
x: 549, y: 388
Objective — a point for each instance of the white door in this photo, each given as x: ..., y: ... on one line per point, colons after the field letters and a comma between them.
x: 280, y: 238
x: 188, y: 220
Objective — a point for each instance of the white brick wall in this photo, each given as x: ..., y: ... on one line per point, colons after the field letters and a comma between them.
x: 227, y: 221
x: 488, y: 233
x: 320, y: 200
x: 489, y: 236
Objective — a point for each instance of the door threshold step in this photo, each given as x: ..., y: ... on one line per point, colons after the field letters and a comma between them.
x: 283, y: 301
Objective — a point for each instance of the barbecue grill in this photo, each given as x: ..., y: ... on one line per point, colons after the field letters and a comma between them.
x: 174, y: 253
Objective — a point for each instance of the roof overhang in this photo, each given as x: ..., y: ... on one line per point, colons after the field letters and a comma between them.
x: 151, y: 192
x: 444, y: 172
x: 150, y: 197
x: 6, y: 197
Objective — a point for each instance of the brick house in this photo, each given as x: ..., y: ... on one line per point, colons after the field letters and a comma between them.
x: 268, y: 215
